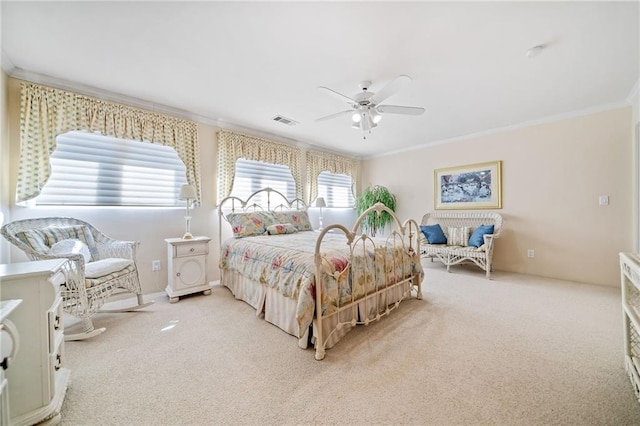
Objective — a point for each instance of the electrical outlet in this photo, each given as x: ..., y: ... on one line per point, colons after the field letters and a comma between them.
x: 531, y: 253
x: 155, y: 265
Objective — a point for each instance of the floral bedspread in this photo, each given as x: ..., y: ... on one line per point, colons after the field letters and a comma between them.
x: 286, y: 263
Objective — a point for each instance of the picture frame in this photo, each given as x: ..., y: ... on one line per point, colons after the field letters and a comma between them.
x: 473, y: 186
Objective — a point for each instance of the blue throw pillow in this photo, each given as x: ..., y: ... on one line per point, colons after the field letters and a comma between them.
x: 433, y: 234
x: 477, y: 238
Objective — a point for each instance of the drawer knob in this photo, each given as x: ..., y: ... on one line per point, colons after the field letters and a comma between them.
x: 178, y: 274
x: 192, y: 250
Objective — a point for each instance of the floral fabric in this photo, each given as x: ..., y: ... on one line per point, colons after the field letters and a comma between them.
x: 247, y: 224
x: 287, y: 264
x: 298, y: 218
x: 281, y: 228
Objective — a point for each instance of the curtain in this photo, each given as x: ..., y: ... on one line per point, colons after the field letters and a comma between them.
x: 47, y: 112
x: 232, y: 145
x: 318, y: 162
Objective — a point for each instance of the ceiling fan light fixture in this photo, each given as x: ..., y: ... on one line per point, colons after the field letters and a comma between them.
x: 375, y: 116
x: 366, y: 124
x: 356, y: 117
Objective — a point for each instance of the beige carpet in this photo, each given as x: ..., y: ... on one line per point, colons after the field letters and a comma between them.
x: 516, y: 350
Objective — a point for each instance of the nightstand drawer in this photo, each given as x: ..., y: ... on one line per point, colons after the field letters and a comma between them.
x: 191, y: 249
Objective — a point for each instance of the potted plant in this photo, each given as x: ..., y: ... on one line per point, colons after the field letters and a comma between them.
x: 375, y: 194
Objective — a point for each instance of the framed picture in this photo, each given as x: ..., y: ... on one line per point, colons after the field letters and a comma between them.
x: 475, y: 186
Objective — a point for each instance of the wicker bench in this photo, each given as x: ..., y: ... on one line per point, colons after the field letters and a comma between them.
x: 457, y: 254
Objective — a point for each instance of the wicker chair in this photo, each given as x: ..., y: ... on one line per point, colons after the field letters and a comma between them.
x: 110, y: 267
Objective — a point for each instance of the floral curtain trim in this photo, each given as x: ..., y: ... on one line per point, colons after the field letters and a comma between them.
x: 232, y: 145
x: 318, y: 162
x: 47, y: 112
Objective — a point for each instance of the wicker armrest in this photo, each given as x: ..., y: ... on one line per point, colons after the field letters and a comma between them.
x: 115, y: 248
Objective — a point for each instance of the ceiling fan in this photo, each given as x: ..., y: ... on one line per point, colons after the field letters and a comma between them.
x: 366, y: 109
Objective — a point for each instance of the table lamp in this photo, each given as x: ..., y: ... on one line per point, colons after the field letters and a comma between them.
x: 188, y: 193
x: 320, y: 203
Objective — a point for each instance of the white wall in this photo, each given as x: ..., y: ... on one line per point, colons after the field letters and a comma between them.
x: 551, y: 178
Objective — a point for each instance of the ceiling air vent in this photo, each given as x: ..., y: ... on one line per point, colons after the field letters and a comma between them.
x: 285, y: 120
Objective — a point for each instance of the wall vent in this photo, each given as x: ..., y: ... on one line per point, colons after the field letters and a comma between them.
x: 284, y: 120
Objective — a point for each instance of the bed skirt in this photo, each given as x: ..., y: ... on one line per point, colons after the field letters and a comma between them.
x: 281, y: 311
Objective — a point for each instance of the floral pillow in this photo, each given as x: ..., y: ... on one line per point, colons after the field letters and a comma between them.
x: 247, y: 224
x: 298, y: 218
x: 281, y: 228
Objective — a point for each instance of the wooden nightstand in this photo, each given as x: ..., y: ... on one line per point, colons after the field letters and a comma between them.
x: 187, y: 264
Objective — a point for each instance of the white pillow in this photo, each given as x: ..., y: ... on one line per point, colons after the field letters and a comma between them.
x: 103, y: 267
x: 71, y: 246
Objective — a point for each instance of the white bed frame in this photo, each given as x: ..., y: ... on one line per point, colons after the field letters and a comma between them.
x: 327, y: 329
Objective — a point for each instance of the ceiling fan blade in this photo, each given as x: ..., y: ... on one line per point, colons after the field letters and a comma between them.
x: 336, y: 115
x: 396, y: 109
x: 340, y: 96
x: 391, y: 88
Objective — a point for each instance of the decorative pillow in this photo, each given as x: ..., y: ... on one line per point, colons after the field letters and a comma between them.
x: 298, y: 218
x: 71, y: 246
x: 252, y: 223
x: 104, y: 267
x: 35, y: 239
x: 53, y: 234
x: 281, y: 228
x: 433, y: 234
x: 458, y: 236
x: 477, y: 238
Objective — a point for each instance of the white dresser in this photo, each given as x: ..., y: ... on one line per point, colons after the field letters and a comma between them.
x: 9, y: 347
x: 37, y: 380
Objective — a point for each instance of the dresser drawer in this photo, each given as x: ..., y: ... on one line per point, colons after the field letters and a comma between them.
x: 56, y: 362
x: 191, y: 249
x: 56, y: 330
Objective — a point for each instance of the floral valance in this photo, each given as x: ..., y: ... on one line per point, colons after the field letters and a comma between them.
x: 318, y: 162
x: 232, y: 145
x: 47, y: 112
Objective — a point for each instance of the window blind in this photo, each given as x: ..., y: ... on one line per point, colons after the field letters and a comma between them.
x: 253, y: 175
x: 336, y: 189
x: 95, y: 170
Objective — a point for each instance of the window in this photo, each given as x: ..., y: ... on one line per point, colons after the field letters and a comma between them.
x: 91, y: 169
x: 336, y: 189
x: 253, y: 175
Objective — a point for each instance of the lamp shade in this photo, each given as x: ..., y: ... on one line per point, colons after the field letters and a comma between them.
x: 320, y: 202
x: 187, y: 192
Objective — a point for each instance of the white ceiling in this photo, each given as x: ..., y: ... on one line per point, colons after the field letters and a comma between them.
x: 240, y: 64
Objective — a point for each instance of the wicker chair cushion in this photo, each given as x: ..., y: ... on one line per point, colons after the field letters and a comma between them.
x: 105, y: 267
x: 54, y: 234
x: 71, y: 246
x: 92, y: 282
x: 35, y: 239
x: 41, y: 240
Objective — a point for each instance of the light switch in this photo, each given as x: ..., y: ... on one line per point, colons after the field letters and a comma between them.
x: 604, y: 200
